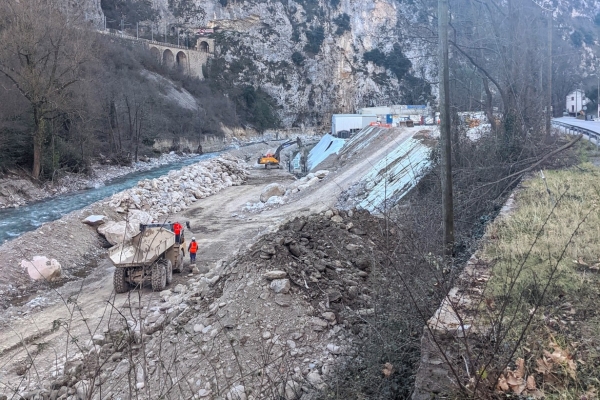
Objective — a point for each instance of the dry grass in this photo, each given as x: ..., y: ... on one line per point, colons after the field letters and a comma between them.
x: 577, y: 192
x: 553, y: 236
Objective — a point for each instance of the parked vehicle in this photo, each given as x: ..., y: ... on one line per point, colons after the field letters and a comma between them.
x: 152, y: 255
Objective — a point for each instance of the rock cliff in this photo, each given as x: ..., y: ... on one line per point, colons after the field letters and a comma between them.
x: 309, y: 55
x: 318, y: 57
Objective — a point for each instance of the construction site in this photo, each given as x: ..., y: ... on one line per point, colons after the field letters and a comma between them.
x: 285, y: 272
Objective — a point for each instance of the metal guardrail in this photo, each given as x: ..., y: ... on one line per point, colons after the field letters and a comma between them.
x: 578, y: 129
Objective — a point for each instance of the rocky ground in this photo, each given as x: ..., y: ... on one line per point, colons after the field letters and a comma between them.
x: 275, y: 321
x: 16, y: 191
x: 268, y: 312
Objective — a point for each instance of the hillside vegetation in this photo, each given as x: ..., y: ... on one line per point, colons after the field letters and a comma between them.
x: 70, y: 96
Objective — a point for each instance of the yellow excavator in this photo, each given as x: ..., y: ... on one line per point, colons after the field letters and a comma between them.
x: 273, y: 157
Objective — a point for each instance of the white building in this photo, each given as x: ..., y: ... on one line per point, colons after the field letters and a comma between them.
x: 575, y: 102
x: 402, y: 110
x: 350, y: 122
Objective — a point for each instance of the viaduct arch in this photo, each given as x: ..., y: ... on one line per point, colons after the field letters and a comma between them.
x: 188, y: 60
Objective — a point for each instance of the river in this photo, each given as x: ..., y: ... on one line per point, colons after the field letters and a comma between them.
x: 16, y: 221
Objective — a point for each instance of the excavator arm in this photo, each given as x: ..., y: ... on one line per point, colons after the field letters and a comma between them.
x: 274, y: 158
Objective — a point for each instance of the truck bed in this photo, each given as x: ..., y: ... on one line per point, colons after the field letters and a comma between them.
x: 143, y: 249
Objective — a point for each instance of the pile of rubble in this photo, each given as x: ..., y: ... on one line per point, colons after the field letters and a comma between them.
x: 276, y: 193
x: 175, y: 191
x: 274, y: 322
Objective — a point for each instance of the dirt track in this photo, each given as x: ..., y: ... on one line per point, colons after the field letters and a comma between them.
x: 222, y: 229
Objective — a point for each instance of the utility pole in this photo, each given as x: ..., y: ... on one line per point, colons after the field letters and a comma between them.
x: 445, y: 138
x: 549, y: 76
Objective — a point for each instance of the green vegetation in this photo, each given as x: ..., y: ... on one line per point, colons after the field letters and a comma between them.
x: 343, y: 24
x: 395, y: 61
x: 186, y: 11
x: 546, y: 255
x: 260, y: 105
x: 375, y: 56
x: 312, y: 9
x: 130, y: 11
x: 298, y: 58
x: 577, y: 38
x: 254, y: 106
x: 515, y: 235
x: 315, y: 38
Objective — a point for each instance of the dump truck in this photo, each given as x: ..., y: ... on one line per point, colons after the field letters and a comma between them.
x: 151, y: 255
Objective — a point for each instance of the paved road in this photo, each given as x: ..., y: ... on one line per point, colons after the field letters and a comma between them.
x: 593, y: 126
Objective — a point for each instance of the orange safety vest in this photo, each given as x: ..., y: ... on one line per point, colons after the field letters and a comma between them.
x: 193, y: 247
x: 177, y: 228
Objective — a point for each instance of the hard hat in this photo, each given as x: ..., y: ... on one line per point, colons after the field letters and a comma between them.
x: 193, y: 238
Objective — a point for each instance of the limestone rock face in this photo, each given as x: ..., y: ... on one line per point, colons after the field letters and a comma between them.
x: 42, y: 268
x: 271, y: 190
x: 308, y: 80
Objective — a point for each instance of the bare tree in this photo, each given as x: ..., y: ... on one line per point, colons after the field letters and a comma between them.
x: 43, y: 53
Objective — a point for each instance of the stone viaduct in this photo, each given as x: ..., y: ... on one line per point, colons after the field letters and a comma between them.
x: 189, y: 60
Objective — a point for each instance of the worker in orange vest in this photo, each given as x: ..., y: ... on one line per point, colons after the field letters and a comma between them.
x: 193, y: 248
x: 177, y: 228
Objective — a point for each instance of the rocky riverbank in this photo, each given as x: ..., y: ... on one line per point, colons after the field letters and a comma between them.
x: 17, y: 190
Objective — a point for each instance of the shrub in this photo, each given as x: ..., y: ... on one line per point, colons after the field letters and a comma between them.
x: 577, y: 38
x: 375, y: 56
x: 129, y: 10
x: 396, y: 61
x: 343, y: 24
x: 588, y: 38
x: 298, y: 58
x: 315, y: 38
x: 258, y: 108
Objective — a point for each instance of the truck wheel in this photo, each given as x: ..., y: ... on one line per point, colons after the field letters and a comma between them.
x: 169, y: 268
x: 120, y: 280
x: 159, y: 277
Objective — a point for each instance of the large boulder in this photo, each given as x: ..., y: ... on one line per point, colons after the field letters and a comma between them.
x: 274, y: 189
x: 137, y: 217
x: 42, y: 268
x: 122, y: 231
x: 95, y: 220
x: 321, y: 174
x: 117, y: 232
